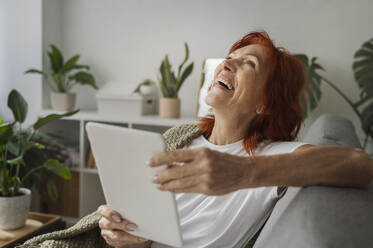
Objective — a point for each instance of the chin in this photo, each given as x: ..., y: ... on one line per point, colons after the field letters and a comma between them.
x: 214, y: 100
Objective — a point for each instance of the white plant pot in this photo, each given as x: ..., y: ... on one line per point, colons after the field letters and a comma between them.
x: 14, y: 210
x: 146, y: 90
x: 63, y: 101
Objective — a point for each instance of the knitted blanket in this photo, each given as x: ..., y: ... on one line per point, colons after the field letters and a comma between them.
x: 86, y: 233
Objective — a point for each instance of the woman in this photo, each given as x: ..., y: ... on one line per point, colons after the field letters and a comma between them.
x: 245, y: 145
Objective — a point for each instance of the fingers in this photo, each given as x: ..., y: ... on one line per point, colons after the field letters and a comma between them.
x: 124, y: 225
x: 182, y: 155
x: 181, y: 184
x: 176, y: 172
x: 119, y: 238
x: 113, y: 220
x: 109, y: 213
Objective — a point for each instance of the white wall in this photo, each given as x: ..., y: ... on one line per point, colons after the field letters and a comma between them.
x: 20, y: 49
x: 126, y: 40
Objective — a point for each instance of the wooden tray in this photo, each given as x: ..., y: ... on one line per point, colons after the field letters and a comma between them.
x: 35, y: 224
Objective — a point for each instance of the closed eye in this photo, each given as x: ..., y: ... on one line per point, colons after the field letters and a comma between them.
x: 251, y: 63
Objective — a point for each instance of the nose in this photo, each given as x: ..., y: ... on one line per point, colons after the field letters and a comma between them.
x: 228, y: 65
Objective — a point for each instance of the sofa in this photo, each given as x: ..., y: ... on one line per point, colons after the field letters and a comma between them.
x: 322, y: 217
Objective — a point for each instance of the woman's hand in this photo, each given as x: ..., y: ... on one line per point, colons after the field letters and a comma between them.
x: 204, y: 171
x: 114, y: 229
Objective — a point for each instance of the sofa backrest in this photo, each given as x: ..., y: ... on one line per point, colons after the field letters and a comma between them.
x: 322, y: 217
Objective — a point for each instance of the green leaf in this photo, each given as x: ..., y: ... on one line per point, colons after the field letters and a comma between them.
x: 70, y: 64
x: 161, y: 77
x: 303, y: 58
x: 363, y: 68
x: 170, y: 80
x: 188, y: 70
x: 162, y: 85
x: 54, y: 66
x: 34, y: 71
x: 367, y: 119
x: 52, y: 189
x: 57, y: 78
x: 15, y: 182
x: 185, y: 59
x: 46, y: 139
x: 55, y: 167
x: 169, y: 83
x: 84, y: 78
x: 18, y: 105
x: 363, y: 53
x: 42, y: 121
x: 30, y: 144
x: 13, y: 148
x: 57, y: 58
x: 81, y: 67
x: 6, y: 133
x: 311, y: 93
x: 17, y: 160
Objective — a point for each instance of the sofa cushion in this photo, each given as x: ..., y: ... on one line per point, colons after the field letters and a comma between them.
x: 320, y: 217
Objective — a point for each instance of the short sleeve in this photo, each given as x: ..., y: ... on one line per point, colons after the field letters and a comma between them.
x: 280, y: 148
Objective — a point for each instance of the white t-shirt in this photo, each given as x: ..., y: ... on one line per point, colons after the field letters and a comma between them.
x: 229, y: 220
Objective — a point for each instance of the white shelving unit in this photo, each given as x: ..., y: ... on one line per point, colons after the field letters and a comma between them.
x: 90, y: 191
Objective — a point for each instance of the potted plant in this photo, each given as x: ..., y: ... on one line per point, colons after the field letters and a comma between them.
x: 145, y: 87
x: 14, y: 145
x: 62, y: 76
x: 169, y: 105
x: 363, y: 68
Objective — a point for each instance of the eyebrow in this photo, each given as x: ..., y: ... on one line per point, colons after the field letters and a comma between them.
x: 251, y: 54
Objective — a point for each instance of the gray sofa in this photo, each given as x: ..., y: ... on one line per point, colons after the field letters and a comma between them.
x: 322, y: 217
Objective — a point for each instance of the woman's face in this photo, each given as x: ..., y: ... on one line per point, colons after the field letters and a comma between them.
x: 238, y: 82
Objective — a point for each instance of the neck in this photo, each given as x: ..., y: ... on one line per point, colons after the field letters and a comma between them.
x: 229, y: 130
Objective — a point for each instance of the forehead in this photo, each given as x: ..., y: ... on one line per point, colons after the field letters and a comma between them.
x: 254, y: 49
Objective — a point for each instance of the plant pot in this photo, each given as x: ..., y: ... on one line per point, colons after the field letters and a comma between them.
x: 63, y: 101
x: 169, y: 107
x: 146, y: 90
x: 14, y: 210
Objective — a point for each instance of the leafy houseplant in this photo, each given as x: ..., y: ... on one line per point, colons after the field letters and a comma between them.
x: 62, y: 76
x: 170, y: 85
x: 363, y: 73
x: 145, y: 87
x: 15, y: 144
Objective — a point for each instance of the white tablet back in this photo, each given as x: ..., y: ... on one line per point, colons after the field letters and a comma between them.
x: 120, y: 154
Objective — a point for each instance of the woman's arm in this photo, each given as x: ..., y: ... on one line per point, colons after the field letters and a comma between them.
x: 214, y: 173
x: 313, y: 165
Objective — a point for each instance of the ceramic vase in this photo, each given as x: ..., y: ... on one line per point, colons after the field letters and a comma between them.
x: 63, y: 101
x: 14, y: 210
x: 169, y: 107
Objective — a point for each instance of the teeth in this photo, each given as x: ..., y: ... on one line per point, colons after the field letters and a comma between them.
x: 229, y: 86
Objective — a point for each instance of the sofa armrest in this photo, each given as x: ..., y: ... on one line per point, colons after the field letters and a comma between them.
x: 320, y: 217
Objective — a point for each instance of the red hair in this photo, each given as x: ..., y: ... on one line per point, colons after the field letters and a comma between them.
x: 282, y: 116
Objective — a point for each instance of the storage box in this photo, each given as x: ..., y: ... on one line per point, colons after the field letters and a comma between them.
x: 118, y: 99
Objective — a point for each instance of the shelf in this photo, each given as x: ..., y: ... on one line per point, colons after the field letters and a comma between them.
x: 85, y: 170
x: 92, y: 115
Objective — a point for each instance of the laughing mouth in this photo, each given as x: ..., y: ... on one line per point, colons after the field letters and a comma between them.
x: 225, y: 84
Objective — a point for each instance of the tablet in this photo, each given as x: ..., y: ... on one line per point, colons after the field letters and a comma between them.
x: 120, y: 154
